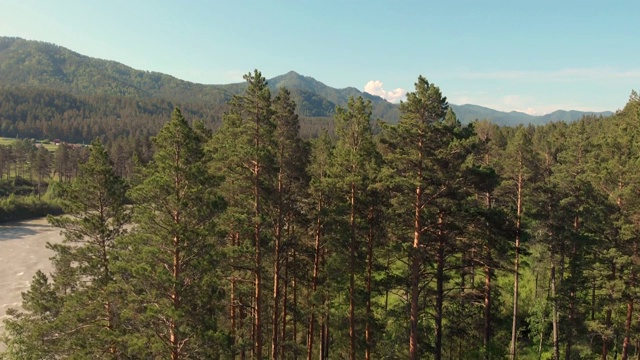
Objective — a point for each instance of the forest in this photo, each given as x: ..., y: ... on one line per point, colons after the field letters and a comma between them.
x: 425, y: 239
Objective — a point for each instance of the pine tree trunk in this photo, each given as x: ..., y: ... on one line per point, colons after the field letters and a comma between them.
x: 439, y: 289
x: 415, y: 276
x: 627, y: 330
x: 232, y: 311
x: 514, y: 325
x: 487, y: 290
x: 241, y: 325
x: 285, y: 290
x: 295, y: 309
x: 314, y: 286
x: 232, y: 301
x: 276, y: 272
x: 174, y: 338
x: 352, y: 271
x: 593, y: 297
x: 627, y: 325
x: 325, y: 333
x: 607, y: 319
x: 258, y: 273
x: 554, y: 293
x: 487, y: 307
x: 367, y: 330
x: 570, y: 320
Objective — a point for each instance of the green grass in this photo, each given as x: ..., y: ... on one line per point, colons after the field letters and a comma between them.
x: 10, y: 141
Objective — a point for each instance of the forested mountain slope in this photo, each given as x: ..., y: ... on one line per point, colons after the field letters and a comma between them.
x: 31, y: 64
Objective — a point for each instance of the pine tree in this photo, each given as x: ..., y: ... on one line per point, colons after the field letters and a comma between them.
x: 41, y: 167
x: 353, y: 167
x: 290, y: 163
x: 243, y: 152
x: 319, y: 204
x: 519, y: 165
x: 411, y: 145
x: 170, y: 265
x: 87, y: 317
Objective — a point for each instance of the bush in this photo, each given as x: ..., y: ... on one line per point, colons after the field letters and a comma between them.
x: 15, y: 208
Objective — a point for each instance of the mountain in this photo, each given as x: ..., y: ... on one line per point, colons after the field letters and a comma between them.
x: 26, y: 63
x: 468, y: 113
x: 307, y: 88
x: 39, y: 65
x: 44, y: 65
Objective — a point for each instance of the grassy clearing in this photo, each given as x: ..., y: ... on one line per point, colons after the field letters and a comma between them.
x: 10, y: 141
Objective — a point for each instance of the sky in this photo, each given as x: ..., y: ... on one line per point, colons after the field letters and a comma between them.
x: 534, y: 56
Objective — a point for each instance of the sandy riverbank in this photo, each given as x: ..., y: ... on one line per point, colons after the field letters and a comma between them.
x: 22, y: 253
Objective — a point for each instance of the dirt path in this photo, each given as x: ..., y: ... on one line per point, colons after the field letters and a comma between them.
x: 22, y: 253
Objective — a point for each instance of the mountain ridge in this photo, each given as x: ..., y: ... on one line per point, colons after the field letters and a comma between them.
x: 28, y: 63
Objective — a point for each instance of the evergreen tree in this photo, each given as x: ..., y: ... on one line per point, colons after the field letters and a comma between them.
x: 243, y: 151
x: 290, y: 163
x: 425, y: 153
x: 353, y: 161
x: 170, y: 264
x: 87, y: 319
x: 318, y: 209
x: 41, y: 167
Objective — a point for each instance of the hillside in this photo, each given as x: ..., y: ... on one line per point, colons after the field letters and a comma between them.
x: 47, y: 66
x: 468, y: 113
x: 37, y: 65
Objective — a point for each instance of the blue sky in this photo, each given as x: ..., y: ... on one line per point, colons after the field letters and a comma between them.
x: 534, y: 56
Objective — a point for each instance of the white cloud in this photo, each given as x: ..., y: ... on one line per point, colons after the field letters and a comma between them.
x: 530, y: 111
x: 374, y: 87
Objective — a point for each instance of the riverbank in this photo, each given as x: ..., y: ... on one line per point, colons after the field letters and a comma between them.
x: 23, y: 252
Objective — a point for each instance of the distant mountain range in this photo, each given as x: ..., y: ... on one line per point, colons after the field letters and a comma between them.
x: 39, y: 65
x: 467, y: 113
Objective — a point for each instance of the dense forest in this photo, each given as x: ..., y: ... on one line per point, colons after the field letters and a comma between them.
x: 421, y: 239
